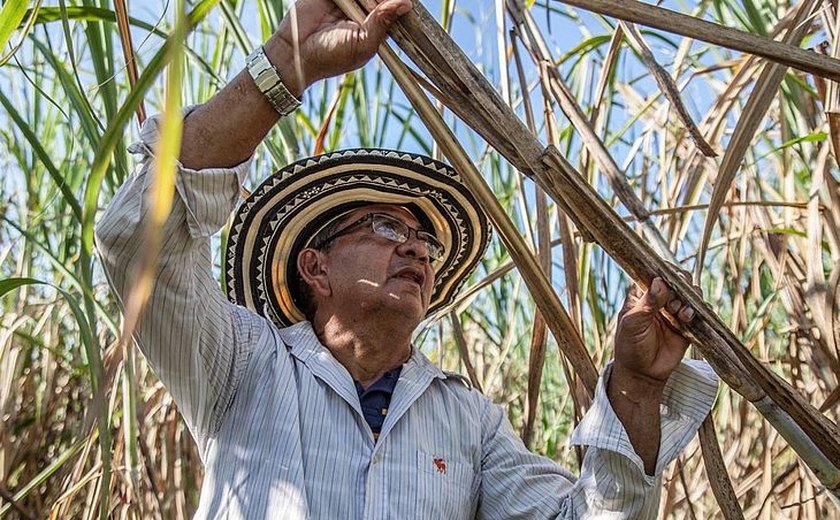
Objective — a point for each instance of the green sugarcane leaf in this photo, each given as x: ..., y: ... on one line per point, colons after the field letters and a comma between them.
x: 10, y: 284
x: 11, y: 15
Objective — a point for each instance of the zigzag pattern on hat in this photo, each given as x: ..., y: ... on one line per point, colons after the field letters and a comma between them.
x: 258, y: 222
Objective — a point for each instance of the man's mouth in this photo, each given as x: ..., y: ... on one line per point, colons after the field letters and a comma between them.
x: 413, y: 275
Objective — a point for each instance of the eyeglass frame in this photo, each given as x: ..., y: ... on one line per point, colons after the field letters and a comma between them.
x: 427, y: 237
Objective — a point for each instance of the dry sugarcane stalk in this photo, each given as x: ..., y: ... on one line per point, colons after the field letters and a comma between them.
x: 717, y: 473
x: 667, y: 85
x: 128, y: 52
x: 564, y: 97
x: 811, y: 434
x: 546, y: 299
x: 691, y: 27
x: 539, y: 336
x: 464, y: 350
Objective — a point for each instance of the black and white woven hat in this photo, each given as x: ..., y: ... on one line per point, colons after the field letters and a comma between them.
x: 275, y: 222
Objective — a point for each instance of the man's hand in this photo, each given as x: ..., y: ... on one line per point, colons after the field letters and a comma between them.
x: 647, y: 350
x: 320, y: 42
x: 646, y: 345
x: 314, y: 41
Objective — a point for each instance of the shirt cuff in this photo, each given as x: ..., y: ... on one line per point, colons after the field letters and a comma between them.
x: 209, y: 194
x: 686, y: 401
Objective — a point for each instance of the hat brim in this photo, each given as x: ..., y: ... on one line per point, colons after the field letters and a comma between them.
x: 273, y: 224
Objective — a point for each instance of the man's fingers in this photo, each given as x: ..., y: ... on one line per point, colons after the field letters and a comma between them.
x: 686, y: 314
x: 674, y: 305
x: 682, y: 312
x: 633, y: 295
x: 650, y: 301
x: 375, y: 27
x: 659, y: 296
x: 382, y: 17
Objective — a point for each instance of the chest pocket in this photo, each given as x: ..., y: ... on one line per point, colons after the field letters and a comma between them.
x: 443, y: 488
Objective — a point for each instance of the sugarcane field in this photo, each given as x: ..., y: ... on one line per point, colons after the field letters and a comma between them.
x: 429, y: 259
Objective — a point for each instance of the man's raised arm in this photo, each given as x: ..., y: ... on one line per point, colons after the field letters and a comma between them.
x: 198, y: 343
x: 314, y: 41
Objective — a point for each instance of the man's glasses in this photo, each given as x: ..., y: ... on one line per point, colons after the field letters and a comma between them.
x: 392, y: 229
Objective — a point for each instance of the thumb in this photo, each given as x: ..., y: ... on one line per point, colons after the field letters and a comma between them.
x: 655, y: 298
x: 645, y: 303
x: 381, y: 18
x: 639, y: 313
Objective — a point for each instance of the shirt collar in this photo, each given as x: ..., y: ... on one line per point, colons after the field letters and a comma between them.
x: 303, y: 343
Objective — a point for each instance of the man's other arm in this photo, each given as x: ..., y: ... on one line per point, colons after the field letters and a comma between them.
x: 647, y: 351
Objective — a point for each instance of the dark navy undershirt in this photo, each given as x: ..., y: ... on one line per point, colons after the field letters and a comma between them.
x: 377, y: 398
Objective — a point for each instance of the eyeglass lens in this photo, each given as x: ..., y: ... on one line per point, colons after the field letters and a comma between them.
x: 398, y: 231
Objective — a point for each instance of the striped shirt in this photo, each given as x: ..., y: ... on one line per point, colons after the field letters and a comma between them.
x: 277, y: 418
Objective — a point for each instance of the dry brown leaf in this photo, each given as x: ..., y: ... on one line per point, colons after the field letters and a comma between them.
x: 124, y: 29
x: 754, y: 112
x: 717, y: 473
x: 464, y: 350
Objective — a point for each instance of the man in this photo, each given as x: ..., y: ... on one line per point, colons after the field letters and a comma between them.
x: 307, y: 400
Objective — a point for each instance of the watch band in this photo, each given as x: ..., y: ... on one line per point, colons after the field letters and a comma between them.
x: 268, y: 81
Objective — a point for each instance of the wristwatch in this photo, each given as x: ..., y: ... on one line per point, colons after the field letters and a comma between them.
x: 268, y: 81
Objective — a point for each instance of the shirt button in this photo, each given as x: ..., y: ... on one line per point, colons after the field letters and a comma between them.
x: 377, y: 458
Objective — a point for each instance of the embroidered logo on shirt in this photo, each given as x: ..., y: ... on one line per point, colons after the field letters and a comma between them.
x: 440, y: 464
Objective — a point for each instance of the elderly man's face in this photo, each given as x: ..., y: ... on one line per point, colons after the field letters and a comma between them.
x: 372, y: 273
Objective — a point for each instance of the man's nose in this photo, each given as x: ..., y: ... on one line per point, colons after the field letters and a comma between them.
x: 415, y: 247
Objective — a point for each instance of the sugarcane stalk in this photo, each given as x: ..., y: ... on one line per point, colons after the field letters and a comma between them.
x: 709, y: 32
x: 826, y: 472
x: 717, y: 472
x: 570, y: 107
x: 473, y: 99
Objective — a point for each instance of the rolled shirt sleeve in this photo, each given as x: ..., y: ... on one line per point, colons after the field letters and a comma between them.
x: 516, y: 483
x: 208, y: 195
x: 196, y: 341
x: 613, y: 479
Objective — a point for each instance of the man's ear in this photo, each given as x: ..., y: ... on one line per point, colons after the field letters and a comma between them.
x: 310, y: 264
